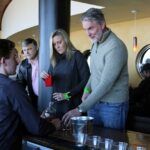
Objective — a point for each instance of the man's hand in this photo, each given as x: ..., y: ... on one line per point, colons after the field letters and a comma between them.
x: 67, y: 116
x: 43, y: 115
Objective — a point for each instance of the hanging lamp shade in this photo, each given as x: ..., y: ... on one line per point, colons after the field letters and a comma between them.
x: 134, y: 43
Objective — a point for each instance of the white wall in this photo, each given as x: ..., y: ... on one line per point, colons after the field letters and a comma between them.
x: 19, y: 15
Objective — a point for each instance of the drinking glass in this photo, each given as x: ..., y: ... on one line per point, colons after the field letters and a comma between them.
x: 93, y: 142
x: 141, y: 148
x: 49, y: 111
x: 137, y: 147
x: 108, y: 144
x: 122, y: 146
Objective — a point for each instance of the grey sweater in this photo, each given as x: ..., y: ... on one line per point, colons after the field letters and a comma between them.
x: 109, y: 72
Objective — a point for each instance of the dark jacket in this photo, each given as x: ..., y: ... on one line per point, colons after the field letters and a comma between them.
x: 15, y: 110
x: 24, y: 76
x: 69, y: 76
x: 141, y: 96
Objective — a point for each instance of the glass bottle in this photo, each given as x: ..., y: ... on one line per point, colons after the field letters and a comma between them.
x: 49, y: 111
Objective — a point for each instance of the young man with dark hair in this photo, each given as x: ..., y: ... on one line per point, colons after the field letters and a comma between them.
x: 15, y: 110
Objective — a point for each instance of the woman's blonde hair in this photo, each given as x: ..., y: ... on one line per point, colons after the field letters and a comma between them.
x: 69, y: 46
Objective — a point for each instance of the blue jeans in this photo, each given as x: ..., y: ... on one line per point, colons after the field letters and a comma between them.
x: 111, y: 115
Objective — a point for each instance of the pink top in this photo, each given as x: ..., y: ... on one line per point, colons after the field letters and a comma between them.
x: 35, y: 76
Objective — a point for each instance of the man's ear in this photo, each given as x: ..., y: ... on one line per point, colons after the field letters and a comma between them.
x: 2, y: 60
x: 103, y: 24
x: 37, y: 48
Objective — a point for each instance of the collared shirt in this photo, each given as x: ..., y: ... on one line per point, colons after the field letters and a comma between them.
x: 35, y: 76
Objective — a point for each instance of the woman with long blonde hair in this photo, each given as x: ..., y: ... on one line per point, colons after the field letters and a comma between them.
x: 69, y: 71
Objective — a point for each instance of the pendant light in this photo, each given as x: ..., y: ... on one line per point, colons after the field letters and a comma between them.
x: 134, y: 12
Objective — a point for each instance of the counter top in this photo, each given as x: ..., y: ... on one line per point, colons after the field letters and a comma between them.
x: 63, y: 140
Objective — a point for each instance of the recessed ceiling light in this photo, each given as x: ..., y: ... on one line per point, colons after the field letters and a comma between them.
x: 79, y: 7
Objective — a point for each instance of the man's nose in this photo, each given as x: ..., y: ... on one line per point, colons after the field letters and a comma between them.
x: 27, y: 51
x: 89, y: 34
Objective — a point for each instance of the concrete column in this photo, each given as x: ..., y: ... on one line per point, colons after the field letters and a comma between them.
x: 53, y: 14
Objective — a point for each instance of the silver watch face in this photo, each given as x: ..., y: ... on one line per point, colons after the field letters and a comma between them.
x: 80, y: 110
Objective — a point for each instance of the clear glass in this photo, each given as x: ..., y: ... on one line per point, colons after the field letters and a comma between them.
x: 49, y: 111
x: 93, y: 142
x: 141, y: 148
x: 108, y: 144
x: 138, y: 147
x: 120, y: 146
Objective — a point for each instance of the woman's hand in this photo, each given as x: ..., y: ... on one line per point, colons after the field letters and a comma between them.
x: 44, y: 75
x: 58, y: 96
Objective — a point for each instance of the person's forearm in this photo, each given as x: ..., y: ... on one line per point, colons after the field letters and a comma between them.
x: 88, y: 85
x: 88, y: 103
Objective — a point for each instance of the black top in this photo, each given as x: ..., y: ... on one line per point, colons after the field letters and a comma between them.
x: 69, y: 76
x: 141, y: 98
x: 16, y: 110
x: 24, y: 76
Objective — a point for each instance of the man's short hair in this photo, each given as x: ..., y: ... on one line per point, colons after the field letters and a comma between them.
x: 145, y: 67
x: 93, y: 14
x: 6, y: 46
x: 28, y: 41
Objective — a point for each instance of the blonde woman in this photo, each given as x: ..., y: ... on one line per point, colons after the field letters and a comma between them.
x: 69, y: 71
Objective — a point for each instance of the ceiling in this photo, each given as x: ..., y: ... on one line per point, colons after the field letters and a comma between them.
x: 115, y: 11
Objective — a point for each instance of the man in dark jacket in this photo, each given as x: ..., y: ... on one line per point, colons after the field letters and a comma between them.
x: 141, y: 94
x: 29, y: 69
x: 15, y: 110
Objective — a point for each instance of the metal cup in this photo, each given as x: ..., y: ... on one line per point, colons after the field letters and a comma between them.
x: 82, y: 124
x: 80, y: 139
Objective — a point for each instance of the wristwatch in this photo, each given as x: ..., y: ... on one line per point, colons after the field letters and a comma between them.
x: 79, y: 109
